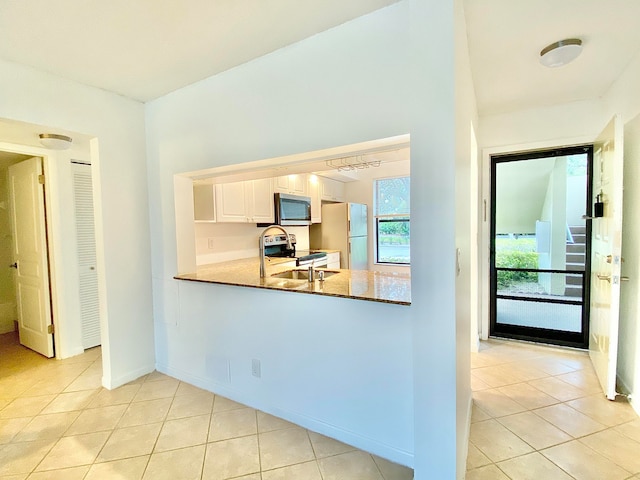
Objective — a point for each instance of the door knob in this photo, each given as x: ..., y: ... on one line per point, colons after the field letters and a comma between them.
x: 14, y: 265
x: 604, y: 277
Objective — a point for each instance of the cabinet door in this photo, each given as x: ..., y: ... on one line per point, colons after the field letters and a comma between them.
x: 261, y: 201
x: 331, y: 190
x: 333, y: 260
x: 338, y: 191
x: 204, y: 203
x: 281, y: 184
x: 231, y: 202
x: 291, y: 184
x: 316, y: 202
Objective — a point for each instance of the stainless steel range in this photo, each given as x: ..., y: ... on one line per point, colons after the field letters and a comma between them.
x: 276, y: 246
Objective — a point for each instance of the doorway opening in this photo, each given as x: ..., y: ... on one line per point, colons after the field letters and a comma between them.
x: 540, y: 246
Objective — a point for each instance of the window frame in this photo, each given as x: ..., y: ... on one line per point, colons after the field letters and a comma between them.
x: 383, y: 218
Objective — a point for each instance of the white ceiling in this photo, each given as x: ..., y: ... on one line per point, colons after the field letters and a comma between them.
x: 144, y: 49
x: 505, y: 38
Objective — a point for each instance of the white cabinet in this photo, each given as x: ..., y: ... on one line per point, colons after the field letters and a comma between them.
x: 331, y: 190
x: 204, y: 206
x: 333, y: 260
x: 245, y: 202
x: 292, y: 184
x: 316, y: 201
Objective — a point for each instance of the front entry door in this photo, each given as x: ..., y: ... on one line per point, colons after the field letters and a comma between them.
x: 606, y: 255
x: 30, y: 256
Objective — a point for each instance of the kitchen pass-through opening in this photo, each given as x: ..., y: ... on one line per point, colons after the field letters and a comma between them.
x: 540, y: 246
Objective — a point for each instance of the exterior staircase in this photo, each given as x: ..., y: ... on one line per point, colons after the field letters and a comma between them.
x: 575, y: 260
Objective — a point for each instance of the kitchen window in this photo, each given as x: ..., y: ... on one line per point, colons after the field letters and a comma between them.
x: 392, y: 220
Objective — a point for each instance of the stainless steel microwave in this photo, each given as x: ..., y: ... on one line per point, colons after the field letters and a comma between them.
x: 292, y: 209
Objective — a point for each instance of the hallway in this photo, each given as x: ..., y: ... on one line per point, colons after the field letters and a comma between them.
x: 539, y: 413
x: 58, y: 423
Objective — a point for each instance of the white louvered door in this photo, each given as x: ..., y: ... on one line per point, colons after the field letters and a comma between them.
x: 86, y: 240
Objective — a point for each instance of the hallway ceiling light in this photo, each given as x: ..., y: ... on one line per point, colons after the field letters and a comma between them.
x: 560, y: 53
x: 55, y: 141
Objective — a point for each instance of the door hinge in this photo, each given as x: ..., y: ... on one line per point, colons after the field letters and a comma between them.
x: 50, y: 329
x: 41, y: 179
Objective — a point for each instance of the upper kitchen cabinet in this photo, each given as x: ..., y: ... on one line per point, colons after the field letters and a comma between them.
x: 245, y: 202
x: 316, y: 200
x: 292, y: 184
x: 331, y: 190
x: 204, y: 209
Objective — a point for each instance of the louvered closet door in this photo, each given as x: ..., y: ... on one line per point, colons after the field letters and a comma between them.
x: 86, y: 239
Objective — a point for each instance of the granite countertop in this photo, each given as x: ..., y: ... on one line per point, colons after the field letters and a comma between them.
x: 358, y: 284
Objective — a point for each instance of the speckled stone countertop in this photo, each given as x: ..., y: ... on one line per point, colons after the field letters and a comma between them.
x: 359, y: 284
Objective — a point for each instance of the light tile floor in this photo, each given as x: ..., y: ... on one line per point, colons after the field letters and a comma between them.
x: 57, y: 422
x: 539, y: 413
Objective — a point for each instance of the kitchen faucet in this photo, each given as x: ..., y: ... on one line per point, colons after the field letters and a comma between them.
x: 261, y: 244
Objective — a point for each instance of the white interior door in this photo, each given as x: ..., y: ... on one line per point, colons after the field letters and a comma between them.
x: 86, y: 239
x: 30, y: 256
x: 606, y: 252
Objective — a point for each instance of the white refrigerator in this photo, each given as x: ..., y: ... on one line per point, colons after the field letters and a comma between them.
x: 344, y: 228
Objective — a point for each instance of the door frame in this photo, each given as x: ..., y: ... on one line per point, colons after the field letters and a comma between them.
x: 537, y: 334
x: 486, y: 206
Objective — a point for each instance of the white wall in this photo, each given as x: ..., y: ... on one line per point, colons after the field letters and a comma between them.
x: 354, y: 83
x: 120, y: 200
x: 466, y: 237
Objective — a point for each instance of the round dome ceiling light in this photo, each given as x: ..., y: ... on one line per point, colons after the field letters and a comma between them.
x: 55, y: 141
x: 560, y: 53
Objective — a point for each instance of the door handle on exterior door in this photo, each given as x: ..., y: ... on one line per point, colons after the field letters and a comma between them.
x: 604, y: 277
x: 14, y: 265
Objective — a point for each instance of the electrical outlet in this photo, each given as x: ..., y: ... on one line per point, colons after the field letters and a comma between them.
x: 255, y: 368
x: 211, y: 243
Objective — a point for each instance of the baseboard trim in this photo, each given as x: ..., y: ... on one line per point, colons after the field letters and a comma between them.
x: 462, y: 466
x: 115, y: 382
x: 357, y: 440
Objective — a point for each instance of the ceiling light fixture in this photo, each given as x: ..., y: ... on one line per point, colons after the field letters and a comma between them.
x: 55, y: 141
x: 560, y: 53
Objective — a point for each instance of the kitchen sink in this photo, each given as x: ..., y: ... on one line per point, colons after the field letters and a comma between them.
x: 303, y: 274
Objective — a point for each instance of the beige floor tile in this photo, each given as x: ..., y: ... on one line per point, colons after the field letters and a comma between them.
x: 479, y: 360
x: 23, y: 457
x: 326, y: 446
x: 222, y: 404
x: 156, y: 376
x: 393, y: 471
x: 477, y: 384
x: 48, y: 386
x: 127, y: 469
x: 86, y: 381
x: 183, y: 432
x: 268, y: 423
x: 26, y: 406
x: 130, y: 442
x: 74, y: 451
x: 117, y: 396
x: 550, y: 365
x: 532, y: 467
x: 630, y: 429
x: 616, y: 447
x: 477, y: 415
x: 253, y: 476
x: 308, y: 471
x: 233, y: 423
x: 475, y: 458
x: 571, y: 421
x: 528, y: 396
x: 284, y: 447
x: 534, y: 430
x: 563, y: 391
x: 4, y: 401
x: 495, y: 403
x: 182, y: 464
x: 605, y: 411
x: 144, y: 413
x: 97, y: 420
x: 10, y: 427
x: 585, y: 379
x: 191, y: 405
x: 68, y: 402
x: 47, y: 427
x: 157, y: 389
x: 349, y: 466
x: 490, y: 472
x: 187, y: 389
x: 231, y: 458
x: 497, y: 376
x: 584, y: 463
x: 73, y: 473
x: 496, y: 441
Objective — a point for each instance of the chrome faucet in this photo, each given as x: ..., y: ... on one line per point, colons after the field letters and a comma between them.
x: 261, y: 245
